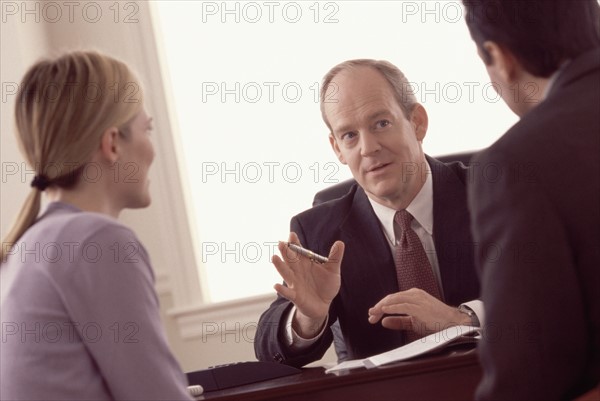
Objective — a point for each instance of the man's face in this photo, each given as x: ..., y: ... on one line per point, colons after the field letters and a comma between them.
x: 371, y: 134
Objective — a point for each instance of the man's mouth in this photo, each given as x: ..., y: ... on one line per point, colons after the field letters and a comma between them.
x: 377, y: 167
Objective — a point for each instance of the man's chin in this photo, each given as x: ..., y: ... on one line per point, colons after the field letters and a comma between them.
x: 379, y: 194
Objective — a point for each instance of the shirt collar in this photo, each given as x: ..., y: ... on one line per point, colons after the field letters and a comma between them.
x: 421, y: 208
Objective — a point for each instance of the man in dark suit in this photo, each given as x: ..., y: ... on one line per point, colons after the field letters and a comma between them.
x: 541, y: 208
x: 377, y: 129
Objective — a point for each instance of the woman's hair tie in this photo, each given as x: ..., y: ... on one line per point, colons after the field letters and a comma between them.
x: 40, y: 182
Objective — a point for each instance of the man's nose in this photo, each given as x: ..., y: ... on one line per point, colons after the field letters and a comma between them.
x: 369, y: 144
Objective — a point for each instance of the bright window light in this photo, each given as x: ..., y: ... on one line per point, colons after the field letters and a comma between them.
x: 245, y: 78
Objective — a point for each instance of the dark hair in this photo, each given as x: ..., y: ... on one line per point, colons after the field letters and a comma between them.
x: 541, y: 34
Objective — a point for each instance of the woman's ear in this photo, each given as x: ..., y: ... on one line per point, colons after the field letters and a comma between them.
x: 109, y: 145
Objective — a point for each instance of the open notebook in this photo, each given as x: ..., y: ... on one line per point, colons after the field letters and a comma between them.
x: 451, y: 335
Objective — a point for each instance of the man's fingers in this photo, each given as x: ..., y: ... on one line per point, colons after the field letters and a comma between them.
x: 405, y: 309
x: 284, y: 270
x: 293, y: 238
x: 285, y: 292
x: 397, y: 322
x: 374, y: 318
x: 414, y: 296
x: 386, y: 306
x: 336, y: 253
x: 287, y: 254
x: 387, y: 300
x: 376, y: 313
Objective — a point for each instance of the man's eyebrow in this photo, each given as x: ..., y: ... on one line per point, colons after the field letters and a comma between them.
x: 343, y: 128
x: 347, y: 127
x: 378, y: 114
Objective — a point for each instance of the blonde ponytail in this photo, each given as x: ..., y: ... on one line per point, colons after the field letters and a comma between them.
x: 25, y: 219
x: 62, y: 108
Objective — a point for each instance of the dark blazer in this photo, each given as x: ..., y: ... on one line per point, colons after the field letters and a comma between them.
x: 540, y: 211
x: 368, y: 271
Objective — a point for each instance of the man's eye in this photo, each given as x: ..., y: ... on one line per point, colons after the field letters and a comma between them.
x: 382, y: 123
x: 348, y: 135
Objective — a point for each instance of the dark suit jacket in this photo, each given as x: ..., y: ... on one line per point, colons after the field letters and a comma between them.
x: 540, y: 212
x: 368, y: 271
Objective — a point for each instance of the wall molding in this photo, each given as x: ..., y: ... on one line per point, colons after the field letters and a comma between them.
x: 236, y: 317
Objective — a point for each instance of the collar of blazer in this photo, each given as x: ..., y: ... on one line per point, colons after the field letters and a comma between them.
x: 582, y: 65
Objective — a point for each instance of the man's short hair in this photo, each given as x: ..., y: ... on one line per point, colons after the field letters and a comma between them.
x: 403, y: 91
x: 542, y: 34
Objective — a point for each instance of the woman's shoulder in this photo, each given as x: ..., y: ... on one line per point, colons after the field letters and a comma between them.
x: 62, y: 219
x: 66, y: 242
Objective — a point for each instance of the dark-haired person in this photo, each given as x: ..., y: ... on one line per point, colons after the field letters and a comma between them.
x: 405, y: 226
x: 80, y: 317
x: 542, y: 293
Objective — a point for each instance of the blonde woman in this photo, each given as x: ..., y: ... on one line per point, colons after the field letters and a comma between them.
x: 80, y: 317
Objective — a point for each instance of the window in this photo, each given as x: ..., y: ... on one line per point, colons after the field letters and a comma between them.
x: 245, y: 80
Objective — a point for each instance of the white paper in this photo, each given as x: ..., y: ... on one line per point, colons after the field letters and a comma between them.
x: 410, y: 350
x: 353, y: 364
x: 420, y: 346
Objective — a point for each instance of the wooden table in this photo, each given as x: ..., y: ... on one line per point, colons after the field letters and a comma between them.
x: 452, y: 375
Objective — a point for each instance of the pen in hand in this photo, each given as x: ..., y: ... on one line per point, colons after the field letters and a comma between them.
x: 308, y: 253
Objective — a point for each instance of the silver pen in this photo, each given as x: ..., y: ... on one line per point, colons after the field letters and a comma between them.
x: 308, y: 253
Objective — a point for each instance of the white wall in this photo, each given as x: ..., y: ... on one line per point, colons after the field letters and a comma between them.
x: 200, y: 335
x: 20, y: 46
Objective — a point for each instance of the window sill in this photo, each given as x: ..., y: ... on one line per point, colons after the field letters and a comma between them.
x: 239, y: 315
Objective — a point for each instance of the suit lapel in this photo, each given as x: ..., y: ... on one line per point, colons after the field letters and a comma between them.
x: 371, y: 259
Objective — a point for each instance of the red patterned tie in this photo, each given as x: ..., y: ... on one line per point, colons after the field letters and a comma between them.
x: 413, y: 269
